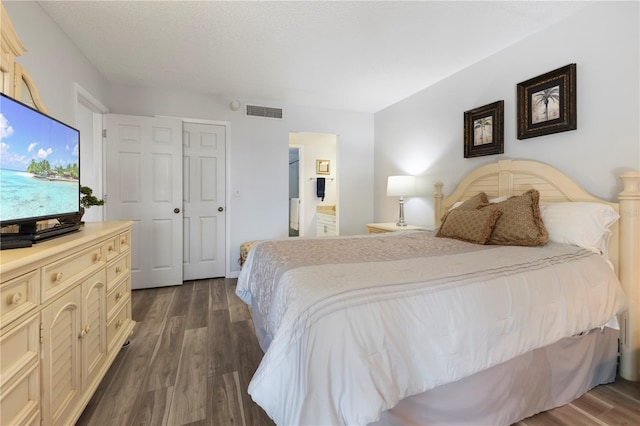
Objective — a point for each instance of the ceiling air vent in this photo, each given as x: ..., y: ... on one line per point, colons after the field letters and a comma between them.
x: 263, y: 111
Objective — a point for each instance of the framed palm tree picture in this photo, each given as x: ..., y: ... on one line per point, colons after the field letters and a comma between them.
x: 484, y: 130
x: 547, y: 103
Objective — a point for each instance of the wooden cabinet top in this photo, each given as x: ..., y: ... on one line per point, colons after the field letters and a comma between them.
x: 87, y: 235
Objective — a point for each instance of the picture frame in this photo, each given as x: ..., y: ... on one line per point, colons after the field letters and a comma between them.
x: 323, y: 167
x: 547, y: 103
x: 484, y: 130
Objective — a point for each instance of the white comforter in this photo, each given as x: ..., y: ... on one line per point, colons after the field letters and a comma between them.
x: 347, y: 338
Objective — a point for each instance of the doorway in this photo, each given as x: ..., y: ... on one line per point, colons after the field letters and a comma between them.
x: 294, y: 190
x: 312, y: 149
x: 89, y: 114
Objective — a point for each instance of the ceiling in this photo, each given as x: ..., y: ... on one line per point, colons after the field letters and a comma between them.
x: 357, y: 56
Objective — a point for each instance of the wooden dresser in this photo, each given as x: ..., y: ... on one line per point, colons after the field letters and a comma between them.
x: 65, y: 312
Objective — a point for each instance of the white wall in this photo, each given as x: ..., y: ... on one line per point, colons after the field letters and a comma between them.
x: 54, y: 63
x: 423, y: 134
x: 260, y: 154
x: 259, y: 147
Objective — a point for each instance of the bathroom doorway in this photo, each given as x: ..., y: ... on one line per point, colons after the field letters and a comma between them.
x: 294, y: 190
x: 313, y: 184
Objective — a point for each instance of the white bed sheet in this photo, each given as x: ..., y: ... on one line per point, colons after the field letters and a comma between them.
x: 349, y: 340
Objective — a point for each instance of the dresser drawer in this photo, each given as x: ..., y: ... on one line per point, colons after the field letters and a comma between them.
x: 117, y: 325
x: 58, y: 276
x: 125, y: 241
x: 19, y: 347
x: 18, y: 296
x: 116, y: 269
x: 20, y: 373
x: 111, y: 247
x: 21, y: 398
x: 117, y: 297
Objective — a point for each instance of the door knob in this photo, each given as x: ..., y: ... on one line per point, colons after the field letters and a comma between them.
x: 176, y: 210
x: 220, y: 209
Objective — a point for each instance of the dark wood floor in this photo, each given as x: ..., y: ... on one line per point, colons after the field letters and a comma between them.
x: 194, y: 350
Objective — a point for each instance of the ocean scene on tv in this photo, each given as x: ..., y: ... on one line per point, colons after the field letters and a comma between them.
x: 39, y: 172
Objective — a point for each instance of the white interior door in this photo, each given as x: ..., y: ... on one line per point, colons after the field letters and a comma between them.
x: 144, y: 184
x: 204, y: 201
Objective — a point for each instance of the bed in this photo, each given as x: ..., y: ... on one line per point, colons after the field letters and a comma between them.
x: 412, y: 328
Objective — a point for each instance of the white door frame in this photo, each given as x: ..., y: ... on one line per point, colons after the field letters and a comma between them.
x: 83, y: 97
x: 227, y: 190
x: 301, y: 185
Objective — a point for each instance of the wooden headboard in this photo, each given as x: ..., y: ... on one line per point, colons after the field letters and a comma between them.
x: 514, y: 177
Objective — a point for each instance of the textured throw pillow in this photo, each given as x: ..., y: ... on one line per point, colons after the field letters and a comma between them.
x: 473, y: 203
x: 474, y: 226
x: 520, y: 223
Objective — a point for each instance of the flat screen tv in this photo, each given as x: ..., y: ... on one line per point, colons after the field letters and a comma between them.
x: 39, y: 169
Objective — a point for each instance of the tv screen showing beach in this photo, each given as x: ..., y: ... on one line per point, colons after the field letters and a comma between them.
x: 39, y: 164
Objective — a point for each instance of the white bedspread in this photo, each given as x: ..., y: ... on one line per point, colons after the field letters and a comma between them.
x: 348, y: 338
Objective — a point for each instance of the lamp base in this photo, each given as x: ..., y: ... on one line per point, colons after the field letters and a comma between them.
x: 401, y: 221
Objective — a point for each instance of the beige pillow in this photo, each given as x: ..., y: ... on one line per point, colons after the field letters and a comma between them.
x: 475, y: 202
x: 474, y: 226
x: 520, y: 223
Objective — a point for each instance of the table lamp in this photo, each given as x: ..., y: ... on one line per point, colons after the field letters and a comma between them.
x: 401, y: 186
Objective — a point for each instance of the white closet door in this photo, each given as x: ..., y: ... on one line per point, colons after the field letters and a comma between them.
x: 204, y: 148
x: 144, y: 184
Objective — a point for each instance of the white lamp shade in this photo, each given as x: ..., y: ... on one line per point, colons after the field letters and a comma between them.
x: 404, y: 186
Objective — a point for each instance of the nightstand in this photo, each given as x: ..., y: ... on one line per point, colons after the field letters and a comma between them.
x: 378, y: 228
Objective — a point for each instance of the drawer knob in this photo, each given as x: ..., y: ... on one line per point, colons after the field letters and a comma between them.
x: 123, y: 241
x: 97, y: 257
x: 83, y: 333
x: 57, y: 277
x: 110, y: 248
x: 118, y: 269
x: 14, y: 299
x: 119, y: 323
x: 119, y: 296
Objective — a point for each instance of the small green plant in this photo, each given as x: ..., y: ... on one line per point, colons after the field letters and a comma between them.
x: 87, y: 199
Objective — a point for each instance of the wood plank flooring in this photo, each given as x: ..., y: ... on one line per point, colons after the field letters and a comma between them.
x: 193, y: 352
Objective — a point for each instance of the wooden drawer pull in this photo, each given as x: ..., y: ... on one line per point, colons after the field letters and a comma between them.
x: 118, y: 269
x: 119, y: 323
x: 97, y: 257
x: 57, y: 277
x: 123, y: 241
x: 110, y: 249
x: 14, y: 299
x: 119, y: 296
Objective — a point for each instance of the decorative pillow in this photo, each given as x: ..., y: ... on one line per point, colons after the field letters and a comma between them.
x: 474, y: 226
x: 472, y: 203
x: 475, y: 202
x: 520, y: 223
x: 491, y: 200
x: 580, y: 223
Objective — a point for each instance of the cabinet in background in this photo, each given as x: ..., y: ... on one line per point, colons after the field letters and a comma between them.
x: 326, y: 221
